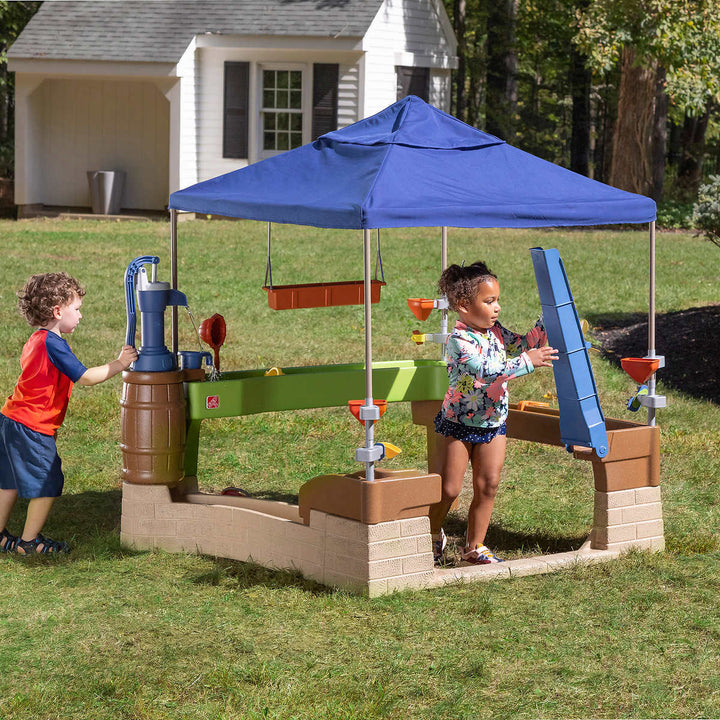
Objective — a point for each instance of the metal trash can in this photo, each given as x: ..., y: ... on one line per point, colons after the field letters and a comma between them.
x: 106, y: 189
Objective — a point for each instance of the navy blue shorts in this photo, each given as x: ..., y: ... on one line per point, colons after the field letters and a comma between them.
x: 29, y: 462
x: 467, y: 433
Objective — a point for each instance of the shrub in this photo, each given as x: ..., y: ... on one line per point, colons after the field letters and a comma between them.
x: 706, y: 213
x: 675, y: 215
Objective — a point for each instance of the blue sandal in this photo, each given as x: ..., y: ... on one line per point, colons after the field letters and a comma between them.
x: 10, y: 541
x: 32, y: 547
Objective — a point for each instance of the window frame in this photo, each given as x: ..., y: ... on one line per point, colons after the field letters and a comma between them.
x: 305, y: 107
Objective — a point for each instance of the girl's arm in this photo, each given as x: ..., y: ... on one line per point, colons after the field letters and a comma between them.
x: 515, y: 344
x: 462, y: 352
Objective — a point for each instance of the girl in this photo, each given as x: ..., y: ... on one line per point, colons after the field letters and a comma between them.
x: 475, y: 408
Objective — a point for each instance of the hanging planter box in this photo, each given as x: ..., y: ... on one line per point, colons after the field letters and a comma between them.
x: 292, y: 297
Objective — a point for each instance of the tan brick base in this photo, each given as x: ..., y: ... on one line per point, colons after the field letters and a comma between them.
x: 626, y: 519
x: 369, y: 559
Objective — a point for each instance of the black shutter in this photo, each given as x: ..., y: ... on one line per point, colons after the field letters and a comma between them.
x: 413, y: 81
x: 325, y: 98
x: 235, y: 109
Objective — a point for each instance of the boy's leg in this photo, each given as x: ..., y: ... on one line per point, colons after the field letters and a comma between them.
x: 457, y: 455
x: 487, y: 462
x: 7, y: 502
x: 37, y: 513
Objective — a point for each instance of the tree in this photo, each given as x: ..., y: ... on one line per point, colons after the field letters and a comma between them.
x: 13, y: 18
x: 654, y: 41
x: 502, y: 61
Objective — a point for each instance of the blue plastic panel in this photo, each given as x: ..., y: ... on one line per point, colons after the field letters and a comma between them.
x: 564, y: 326
x: 581, y: 419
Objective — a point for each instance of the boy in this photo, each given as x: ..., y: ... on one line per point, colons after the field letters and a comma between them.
x: 29, y: 464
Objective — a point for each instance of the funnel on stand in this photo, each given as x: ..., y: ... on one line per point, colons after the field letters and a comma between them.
x: 421, y: 307
x: 355, y: 406
x: 640, y: 369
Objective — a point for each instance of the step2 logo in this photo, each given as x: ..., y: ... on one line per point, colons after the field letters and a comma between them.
x: 212, y: 402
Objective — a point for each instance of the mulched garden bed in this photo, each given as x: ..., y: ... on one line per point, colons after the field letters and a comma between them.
x: 689, y: 340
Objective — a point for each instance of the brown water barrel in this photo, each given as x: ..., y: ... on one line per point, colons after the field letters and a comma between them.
x: 152, y: 418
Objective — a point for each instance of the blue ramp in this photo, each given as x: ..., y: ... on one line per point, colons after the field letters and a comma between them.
x: 581, y: 419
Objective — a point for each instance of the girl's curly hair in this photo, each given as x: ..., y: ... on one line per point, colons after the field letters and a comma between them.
x: 460, y: 284
x: 43, y: 292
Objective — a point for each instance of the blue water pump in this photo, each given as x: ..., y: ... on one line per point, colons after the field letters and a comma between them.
x: 153, y: 297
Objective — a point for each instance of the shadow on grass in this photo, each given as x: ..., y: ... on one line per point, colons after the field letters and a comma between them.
x: 687, y: 338
x: 88, y: 521
x: 511, y: 542
x: 248, y: 574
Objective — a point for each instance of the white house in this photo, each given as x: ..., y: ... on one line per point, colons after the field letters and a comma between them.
x: 178, y: 91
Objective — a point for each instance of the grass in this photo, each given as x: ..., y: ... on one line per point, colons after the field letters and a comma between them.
x: 111, y: 633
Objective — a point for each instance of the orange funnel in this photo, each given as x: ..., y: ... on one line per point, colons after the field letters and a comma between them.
x: 355, y: 406
x: 421, y: 307
x: 640, y: 369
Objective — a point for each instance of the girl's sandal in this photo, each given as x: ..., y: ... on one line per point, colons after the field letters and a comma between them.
x: 33, y: 547
x: 7, y: 541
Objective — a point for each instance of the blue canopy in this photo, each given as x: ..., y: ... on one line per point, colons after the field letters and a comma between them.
x: 412, y: 165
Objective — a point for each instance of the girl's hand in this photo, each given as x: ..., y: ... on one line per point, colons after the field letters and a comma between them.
x: 128, y: 355
x: 542, y: 357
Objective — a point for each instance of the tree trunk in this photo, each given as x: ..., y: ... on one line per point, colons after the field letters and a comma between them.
x: 501, y: 82
x: 459, y: 14
x: 659, y: 145
x: 4, y: 104
x: 632, y: 143
x: 580, y: 78
x: 693, y: 150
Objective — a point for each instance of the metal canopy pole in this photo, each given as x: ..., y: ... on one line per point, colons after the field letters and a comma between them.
x: 367, y: 411
x: 444, y: 263
x: 173, y: 279
x: 651, y: 322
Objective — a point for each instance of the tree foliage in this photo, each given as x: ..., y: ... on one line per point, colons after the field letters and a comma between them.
x: 13, y: 18
x: 706, y: 213
x: 683, y: 36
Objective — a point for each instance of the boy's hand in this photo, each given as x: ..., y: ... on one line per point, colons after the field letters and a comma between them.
x: 127, y: 356
x: 542, y: 357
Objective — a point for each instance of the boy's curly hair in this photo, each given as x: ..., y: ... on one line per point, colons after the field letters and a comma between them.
x: 460, y: 284
x: 43, y: 292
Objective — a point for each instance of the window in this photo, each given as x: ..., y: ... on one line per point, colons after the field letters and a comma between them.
x: 282, y: 117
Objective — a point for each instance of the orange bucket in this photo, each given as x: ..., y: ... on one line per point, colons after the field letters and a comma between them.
x: 421, y: 308
x: 355, y: 406
x: 640, y: 369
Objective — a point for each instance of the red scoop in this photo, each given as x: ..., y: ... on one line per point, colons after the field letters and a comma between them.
x: 212, y: 332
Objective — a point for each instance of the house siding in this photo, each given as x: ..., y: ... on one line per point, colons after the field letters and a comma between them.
x: 209, y: 74
x: 414, y: 33
x: 100, y: 125
x: 187, y: 150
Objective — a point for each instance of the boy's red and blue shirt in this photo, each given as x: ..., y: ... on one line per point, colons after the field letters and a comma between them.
x: 48, y: 371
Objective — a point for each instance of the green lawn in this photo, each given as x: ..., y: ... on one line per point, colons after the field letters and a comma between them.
x: 111, y: 633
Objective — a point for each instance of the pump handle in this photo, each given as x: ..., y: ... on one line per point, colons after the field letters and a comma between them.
x: 132, y: 270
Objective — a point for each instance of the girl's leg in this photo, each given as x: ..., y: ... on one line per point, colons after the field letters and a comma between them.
x: 457, y: 455
x: 37, y: 513
x: 487, y: 462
